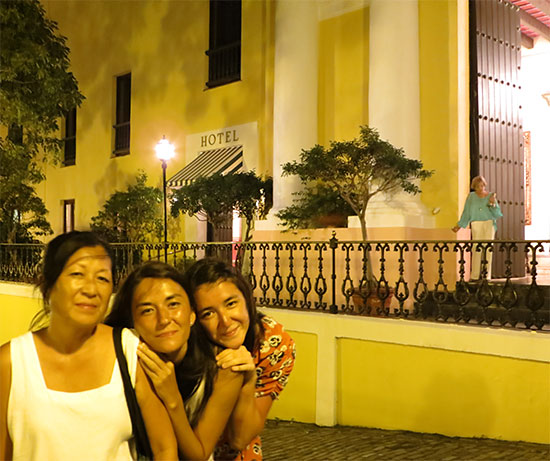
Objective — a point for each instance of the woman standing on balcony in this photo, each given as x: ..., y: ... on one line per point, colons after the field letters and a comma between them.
x: 61, y: 391
x: 247, y: 341
x: 178, y: 360
x: 481, y: 212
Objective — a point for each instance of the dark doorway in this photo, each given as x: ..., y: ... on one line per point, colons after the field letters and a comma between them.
x: 221, y: 231
x: 496, y: 136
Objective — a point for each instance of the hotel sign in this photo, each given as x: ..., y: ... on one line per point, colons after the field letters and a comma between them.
x: 245, y: 135
x: 220, y: 138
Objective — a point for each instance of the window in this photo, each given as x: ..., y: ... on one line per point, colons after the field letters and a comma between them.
x: 122, y: 123
x: 68, y: 215
x: 69, y: 152
x: 224, y: 55
x: 15, y: 134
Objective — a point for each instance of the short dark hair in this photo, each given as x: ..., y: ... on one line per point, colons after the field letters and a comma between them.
x: 58, y: 252
x: 212, y: 270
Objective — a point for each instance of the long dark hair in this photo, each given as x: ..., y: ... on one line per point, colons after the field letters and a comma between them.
x: 58, y: 252
x: 212, y: 270
x: 199, y: 361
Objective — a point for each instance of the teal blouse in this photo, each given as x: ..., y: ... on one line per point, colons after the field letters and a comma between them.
x: 478, y: 209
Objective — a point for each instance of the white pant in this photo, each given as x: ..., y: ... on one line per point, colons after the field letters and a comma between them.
x: 481, y: 230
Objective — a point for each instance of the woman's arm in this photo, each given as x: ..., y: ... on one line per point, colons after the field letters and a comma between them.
x: 249, y: 415
x: 219, y: 407
x: 273, y: 364
x: 465, y: 219
x: 195, y: 443
x: 6, y: 446
x: 494, y: 207
x: 157, y: 422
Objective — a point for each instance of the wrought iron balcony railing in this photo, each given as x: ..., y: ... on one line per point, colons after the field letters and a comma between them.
x: 122, y: 138
x: 423, y: 280
x: 224, y: 64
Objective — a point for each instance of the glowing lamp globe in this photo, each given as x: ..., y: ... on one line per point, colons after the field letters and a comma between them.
x: 164, y: 150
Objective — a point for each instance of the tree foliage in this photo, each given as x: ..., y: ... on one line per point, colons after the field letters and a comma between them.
x: 214, y: 197
x: 358, y: 170
x: 22, y: 212
x: 134, y: 215
x: 36, y: 89
x: 311, y: 204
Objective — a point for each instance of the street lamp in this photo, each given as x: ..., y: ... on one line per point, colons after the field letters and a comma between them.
x: 164, y: 151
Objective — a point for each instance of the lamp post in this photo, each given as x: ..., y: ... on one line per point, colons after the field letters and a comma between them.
x: 164, y: 151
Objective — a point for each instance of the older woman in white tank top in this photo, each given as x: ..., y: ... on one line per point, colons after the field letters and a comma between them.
x: 61, y: 392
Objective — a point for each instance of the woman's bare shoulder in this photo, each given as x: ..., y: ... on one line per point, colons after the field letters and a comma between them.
x: 105, y: 332
x: 5, y: 357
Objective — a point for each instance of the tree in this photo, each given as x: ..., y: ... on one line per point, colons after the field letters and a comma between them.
x: 216, y: 196
x: 36, y: 89
x: 252, y: 198
x: 358, y: 170
x: 134, y: 215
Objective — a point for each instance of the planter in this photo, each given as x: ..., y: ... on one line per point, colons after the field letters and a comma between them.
x: 373, y: 306
x: 332, y: 220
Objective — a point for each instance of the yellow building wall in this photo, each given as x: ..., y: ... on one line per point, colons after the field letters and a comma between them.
x: 297, y: 401
x: 163, y: 45
x: 343, y: 76
x: 444, y: 96
x: 454, y: 380
x: 16, y: 312
x: 391, y: 386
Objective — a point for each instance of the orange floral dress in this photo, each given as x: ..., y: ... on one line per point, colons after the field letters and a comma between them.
x: 274, y: 361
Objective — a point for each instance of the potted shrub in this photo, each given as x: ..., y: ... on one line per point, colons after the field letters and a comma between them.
x: 316, y: 206
x: 356, y: 171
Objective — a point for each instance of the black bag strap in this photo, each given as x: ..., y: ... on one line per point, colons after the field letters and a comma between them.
x: 143, y: 446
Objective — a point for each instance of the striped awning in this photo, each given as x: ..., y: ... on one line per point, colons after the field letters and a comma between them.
x: 226, y: 160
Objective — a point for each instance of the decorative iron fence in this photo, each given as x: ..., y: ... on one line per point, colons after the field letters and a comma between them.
x: 424, y: 280
x: 20, y: 262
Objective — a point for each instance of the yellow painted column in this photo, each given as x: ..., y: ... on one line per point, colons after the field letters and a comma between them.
x: 394, y: 94
x: 394, y: 102
x: 295, y: 95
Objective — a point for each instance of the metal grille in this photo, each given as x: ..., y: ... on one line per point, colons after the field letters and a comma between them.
x: 70, y: 138
x: 122, y: 125
x: 224, y: 64
x: 122, y: 138
x: 224, y: 49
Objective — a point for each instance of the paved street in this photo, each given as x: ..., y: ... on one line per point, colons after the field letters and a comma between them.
x: 290, y: 441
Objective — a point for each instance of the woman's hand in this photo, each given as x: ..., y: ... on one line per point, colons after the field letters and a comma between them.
x: 455, y: 229
x: 237, y: 360
x: 493, y: 199
x: 161, y: 374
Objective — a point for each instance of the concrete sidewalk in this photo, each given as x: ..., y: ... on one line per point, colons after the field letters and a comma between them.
x: 290, y: 441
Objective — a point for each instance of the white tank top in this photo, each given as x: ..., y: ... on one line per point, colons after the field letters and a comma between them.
x: 50, y: 425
